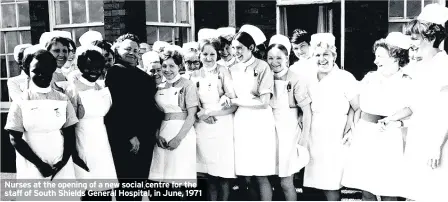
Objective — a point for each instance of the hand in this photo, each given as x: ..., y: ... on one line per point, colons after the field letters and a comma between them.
x: 174, y: 143
x: 434, y: 158
x: 161, y: 142
x: 135, y: 145
x: 203, y: 114
x: 45, y: 169
x: 78, y: 161
x: 58, y: 167
x: 225, y: 101
x: 210, y: 120
x: 303, y: 142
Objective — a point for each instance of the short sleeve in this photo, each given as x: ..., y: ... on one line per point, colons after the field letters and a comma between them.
x: 301, y: 94
x: 191, y: 96
x: 71, y: 118
x: 74, y: 98
x: 227, y: 83
x: 15, y: 119
x: 351, y: 86
x: 14, y: 89
x: 265, y: 79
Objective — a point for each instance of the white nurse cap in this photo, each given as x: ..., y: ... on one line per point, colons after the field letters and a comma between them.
x: 207, y: 33
x: 326, y: 38
x: 63, y: 34
x: 89, y: 37
x: 82, y: 49
x: 256, y: 34
x: 33, y: 49
x: 45, y: 37
x: 280, y: 39
x: 20, y: 48
x: 226, y: 31
x: 191, y: 45
x: 150, y: 56
x: 145, y: 46
x: 434, y: 13
x: 398, y: 39
x: 48, y: 36
x: 158, y: 46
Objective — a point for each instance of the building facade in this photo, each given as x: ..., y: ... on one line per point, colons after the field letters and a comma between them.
x: 356, y: 25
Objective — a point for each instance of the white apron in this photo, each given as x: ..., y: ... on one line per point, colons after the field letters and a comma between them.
x: 92, y: 141
x: 330, y: 108
x: 288, y: 132
x: 180, y: 163
x: 215, y: 154
x: 43, y: 120
x: 254, y: 132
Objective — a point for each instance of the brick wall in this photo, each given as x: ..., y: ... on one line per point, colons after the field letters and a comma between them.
x: 39, y: 19
x: 121, y: 17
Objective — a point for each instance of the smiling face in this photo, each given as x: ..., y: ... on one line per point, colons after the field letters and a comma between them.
x: 128, y: 52
x: 192, y: 61
x: 383, y: 60
x: 324, y: 59
x: 226, y: 53
x: 208, y: 56
x: 156, y: 71
x: 240, y: 51
x: 41, y: 75
x: 277, y: 60
x: 170, y: 69
x: 60, y: 52
x: 301, y: 50
x: 422, y: 47
x: 94, y: 70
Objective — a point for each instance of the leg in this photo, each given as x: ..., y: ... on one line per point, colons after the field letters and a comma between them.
x: 265, y: 188
x: 224, y: 189
x: 333, y: 195
x: 288, y: 188
x: 212, y: 189
x: 367, y: 196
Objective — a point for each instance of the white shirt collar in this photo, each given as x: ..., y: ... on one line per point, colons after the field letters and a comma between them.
x: 249, y: 62
x: 210, y: 69
x: 36, y: 89
x: 281, y: 73
x: 58, y: 70
x: 230, y: 62
x: 176, y: 78
x: 84, y: 81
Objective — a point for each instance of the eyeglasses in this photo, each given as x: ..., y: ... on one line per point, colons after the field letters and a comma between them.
x: 193, y: 62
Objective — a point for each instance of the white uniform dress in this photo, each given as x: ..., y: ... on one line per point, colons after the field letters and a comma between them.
x: 254, y: 129
x: 17, y: 85
x: 375, y: 158
x: 40, y: 115
x: 330, y: 105
x: 92, y: 142
x: 215, y: 150
x: 427, y: 131
x: 288, y: 96
x: 180, y: 163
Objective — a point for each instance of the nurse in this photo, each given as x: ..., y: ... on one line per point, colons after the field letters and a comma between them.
x: 225, y: 52
x: 426, y: 151
x: 333, y: 92
x: 382, y: 93
x: 215, y: 155
x: 153, y: 64
x: 192, y: 63
x: 300, y: 42
x: 289, y: 100
x: 175, y: 155
x: 42, y: 124
x: 92, y: 102
x: 18, y: 84
x: 254, y: 125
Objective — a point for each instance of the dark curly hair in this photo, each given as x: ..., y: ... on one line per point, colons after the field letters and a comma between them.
x: 129, y: 36
x: 45, y: 59
x: 64, y: 41
x: 213, y: 42
x: 104, y: 45
x: 401, y: 55
x: 173, y: 54
x: 299, y: 36
x: 427, y: 30
x: 87, y: 57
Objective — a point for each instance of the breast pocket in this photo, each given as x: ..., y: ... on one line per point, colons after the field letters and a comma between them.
x: 44, y: 115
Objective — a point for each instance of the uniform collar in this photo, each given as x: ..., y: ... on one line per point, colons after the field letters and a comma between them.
x: 281, y: 73
x: 36, y: 89
x: 84, y: 81
x: 176, y: 78
x: 211, y: 69
x: 58, y: 70
x: 230, y: 62
x: 249, y: 62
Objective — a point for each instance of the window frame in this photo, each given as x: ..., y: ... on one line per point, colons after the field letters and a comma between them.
x: 173, y: 25
x: 5, y: 104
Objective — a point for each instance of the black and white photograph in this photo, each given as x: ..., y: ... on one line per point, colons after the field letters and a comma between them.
x: 224, y: 100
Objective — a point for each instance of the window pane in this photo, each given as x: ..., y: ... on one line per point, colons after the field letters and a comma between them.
x: 151, y: 11
x: 79, y: 11
x: 3, y: 67
x: 166, y: 10
x: 7, y: 1
x: 396, y: 8
x: 431, y: 1
x: 96, y: 11
x: 414, y: 7
x: 8, y: 15
x: 24, y: 14
x: 2, y: 43
x: 98, y: 29
x: 12, y: 40
x: 61, y: 12
x: 26, y: 36
x: 395, y: 27
x: 151, y: 33
x: 182, y: 11
x: 14, y: 69
x: 5, y: 94
x: 166, y: 34
x: 78, y: 33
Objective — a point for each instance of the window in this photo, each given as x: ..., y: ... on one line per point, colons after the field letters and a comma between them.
x: 169, y: 20
x: 14, y: 30
x: 77, y: 16
x: 403, y: 11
